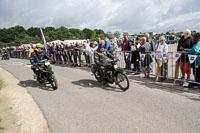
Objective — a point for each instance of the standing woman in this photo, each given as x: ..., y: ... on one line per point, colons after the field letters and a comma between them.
x: 161, y: 63
x: 196, y: 67
x: 185, y: 42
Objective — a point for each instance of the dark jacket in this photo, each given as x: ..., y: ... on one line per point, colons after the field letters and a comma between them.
x: 127, y: 45
x: 185, y: 43
x: 100, y: 58
x: 36, y: 57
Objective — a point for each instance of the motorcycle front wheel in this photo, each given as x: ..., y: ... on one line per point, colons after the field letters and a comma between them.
x: 122, y: 81
x: 54, y: 82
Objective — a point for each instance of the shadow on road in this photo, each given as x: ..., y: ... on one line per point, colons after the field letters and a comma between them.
x: 86, y: 83
x: 35, y: 84
x: 166, y: 86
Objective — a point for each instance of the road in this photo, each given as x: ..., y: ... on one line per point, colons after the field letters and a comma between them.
x: 82, y: 105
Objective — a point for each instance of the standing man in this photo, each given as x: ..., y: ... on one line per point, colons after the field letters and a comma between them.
x: 108, y: 44
x: 126, y: 48
x: 99, y: 41
x: 152, y: 47
x: 77, y: 54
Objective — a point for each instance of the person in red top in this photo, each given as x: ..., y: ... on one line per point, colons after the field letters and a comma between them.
x: 126, y: 48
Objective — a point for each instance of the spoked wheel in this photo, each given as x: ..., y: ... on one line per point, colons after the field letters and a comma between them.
x: 122, y: 81
x: 54, y: 82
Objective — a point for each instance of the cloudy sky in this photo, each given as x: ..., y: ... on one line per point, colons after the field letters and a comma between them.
x: 131, y: 16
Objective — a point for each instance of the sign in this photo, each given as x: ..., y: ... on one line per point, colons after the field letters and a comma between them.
x: 152, y: 56
x: 192, y: 58
x: 142, y: 56
x: 177, y: 56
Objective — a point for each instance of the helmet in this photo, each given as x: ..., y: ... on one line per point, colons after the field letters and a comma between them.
x: 100, y: 46
x: 39, y: 46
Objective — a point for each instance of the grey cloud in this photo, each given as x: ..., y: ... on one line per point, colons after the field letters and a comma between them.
x: 111, y: 15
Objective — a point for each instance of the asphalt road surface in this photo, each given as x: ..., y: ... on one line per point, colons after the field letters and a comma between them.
x: 82, y: 105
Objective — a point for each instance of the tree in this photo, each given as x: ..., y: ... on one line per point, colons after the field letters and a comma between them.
x: 125, y: 33
x: 87, y: 33
x: 117, y: 34
x: 93, y: 35
x: 33, y: 31
x: 109, y: 35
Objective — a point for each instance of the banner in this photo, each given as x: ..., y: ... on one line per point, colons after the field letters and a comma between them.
x: 142, y: 56
x: 152, y: 56
x: 43, y: 39
x: 158, y: 55
x: 192, y: 58
x: 177, y: 56
x: 164, y: 56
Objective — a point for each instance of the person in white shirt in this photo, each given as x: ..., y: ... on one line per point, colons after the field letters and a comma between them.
x: 161, y: 59
x: 88, y: 53
x: 114, y: 47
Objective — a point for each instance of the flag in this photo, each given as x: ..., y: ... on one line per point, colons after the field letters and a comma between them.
x: 177, y: 56
x: 43, y: 39
x: 192, y: 58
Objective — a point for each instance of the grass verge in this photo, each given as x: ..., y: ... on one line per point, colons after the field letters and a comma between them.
x: 1, y: 84
x: 2, y: 128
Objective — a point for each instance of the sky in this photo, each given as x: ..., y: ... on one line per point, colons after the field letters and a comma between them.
x: 131, y: 16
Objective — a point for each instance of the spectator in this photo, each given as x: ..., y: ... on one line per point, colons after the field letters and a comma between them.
x: 135, y: 55
x: 87, y: 53
x: 145, y: 49
x: 152, y: 47
x: 77, y: 54
x: 114, y: 47
x: 31, y: 50
x: 107, y: 44
x: 161, y: 62
x: 126, y: 48
x: 99, y: 41
x: 69, y: 49
x: 185, y: 42
x: 196, y: 65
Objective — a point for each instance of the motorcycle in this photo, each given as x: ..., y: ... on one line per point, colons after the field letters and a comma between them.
x: 114, y: 74
x: 5, y: 56
x: 44, y: 74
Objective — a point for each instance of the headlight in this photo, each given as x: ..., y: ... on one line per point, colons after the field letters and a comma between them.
x: 47, y: 63
x: 115, y: 66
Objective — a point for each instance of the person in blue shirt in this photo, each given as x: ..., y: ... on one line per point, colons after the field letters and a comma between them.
x: 108, y: 44
x: 196, y: 66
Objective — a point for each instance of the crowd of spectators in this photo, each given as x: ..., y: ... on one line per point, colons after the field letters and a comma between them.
x: 81, y: 54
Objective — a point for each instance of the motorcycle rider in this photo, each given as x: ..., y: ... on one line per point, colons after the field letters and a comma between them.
x: 5, y: 54
x: 37, y: 56
x: 101, y: 57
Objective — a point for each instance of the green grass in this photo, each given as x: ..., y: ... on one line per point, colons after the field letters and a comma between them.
x: 2, y: 128
x: 1, y: 84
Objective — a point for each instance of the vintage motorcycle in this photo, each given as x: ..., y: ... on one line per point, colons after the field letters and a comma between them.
x: 5, y: 56
x: 44, y: 74
x: 114, y: 74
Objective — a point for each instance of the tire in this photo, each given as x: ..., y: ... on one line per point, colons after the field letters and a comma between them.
x: 54, y: 82
x: 121, y: 76
x: 39, y: 79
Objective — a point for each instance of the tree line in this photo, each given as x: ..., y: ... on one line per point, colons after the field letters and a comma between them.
x: 18, y: 35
